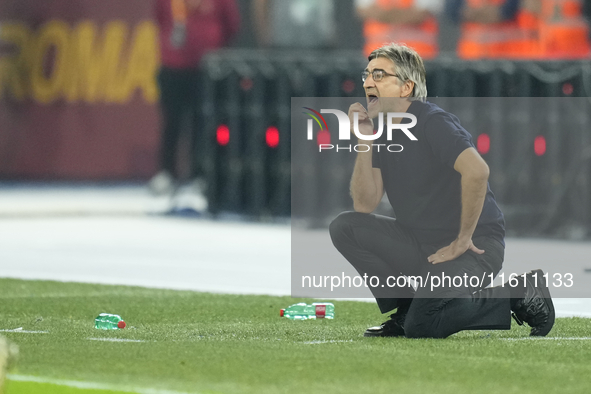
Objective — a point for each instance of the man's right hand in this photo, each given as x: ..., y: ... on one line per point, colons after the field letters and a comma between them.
x: 365, y: 122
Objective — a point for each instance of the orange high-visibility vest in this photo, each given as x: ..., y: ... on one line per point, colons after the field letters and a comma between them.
x: 563, y: 31
x: 525, y: 44
x: 422, y: 38
x: 486, y: 41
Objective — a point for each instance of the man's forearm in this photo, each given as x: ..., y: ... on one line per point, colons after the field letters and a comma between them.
x: 473, y: 193
x: 363, y: 186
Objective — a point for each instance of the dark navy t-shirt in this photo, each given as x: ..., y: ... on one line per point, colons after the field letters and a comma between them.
x: 421, y: 183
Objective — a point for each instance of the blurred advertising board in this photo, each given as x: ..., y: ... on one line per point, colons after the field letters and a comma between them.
x: 78, y: 96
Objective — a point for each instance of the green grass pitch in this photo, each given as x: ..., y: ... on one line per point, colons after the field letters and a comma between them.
x: 211, y: 343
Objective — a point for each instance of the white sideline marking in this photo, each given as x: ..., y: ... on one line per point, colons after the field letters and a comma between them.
x: 89, y: 385
x: 319, y: 342
x: 20, y: 329
x: 573, y: 314
x: 547, y: 339
x: 115, y: 340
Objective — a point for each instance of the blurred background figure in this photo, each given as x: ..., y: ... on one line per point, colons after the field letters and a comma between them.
x: 412, y: 22
x: 489, y: 28
x: 188, y: 30
x: 8, y: 354
x: 304, y: 24
x: 520, y: 29
x: 563, y: 32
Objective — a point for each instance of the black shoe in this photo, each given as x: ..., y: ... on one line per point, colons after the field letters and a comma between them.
x: 535, y: 308
x: 391, y: 328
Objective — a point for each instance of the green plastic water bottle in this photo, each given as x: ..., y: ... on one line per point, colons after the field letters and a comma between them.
x: 106, y: 321
x: 302, y: 311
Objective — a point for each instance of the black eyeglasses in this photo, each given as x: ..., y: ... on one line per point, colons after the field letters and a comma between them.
x: 377, y: 75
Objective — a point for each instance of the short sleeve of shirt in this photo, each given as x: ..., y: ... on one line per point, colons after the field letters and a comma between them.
x: 447, y: 137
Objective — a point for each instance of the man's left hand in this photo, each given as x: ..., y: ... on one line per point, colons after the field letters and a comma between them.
x: 453, y: 251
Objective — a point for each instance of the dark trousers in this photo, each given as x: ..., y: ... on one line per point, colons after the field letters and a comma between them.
x: 179, y: 101
x: 380, y: 246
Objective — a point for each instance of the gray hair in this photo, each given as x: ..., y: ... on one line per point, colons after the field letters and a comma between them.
x: 409, y: 66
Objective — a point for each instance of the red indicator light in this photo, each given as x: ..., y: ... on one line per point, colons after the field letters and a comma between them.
x: 483, y: 144
x: 222, y: 135
x: 246, y: 84
x: 348, y: 86
x: 272, y: 137
x: 540, y: 145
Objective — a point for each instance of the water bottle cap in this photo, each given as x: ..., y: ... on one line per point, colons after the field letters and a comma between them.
x: 281, y: 312
x: 321, y: 311
x: 121, y: 324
